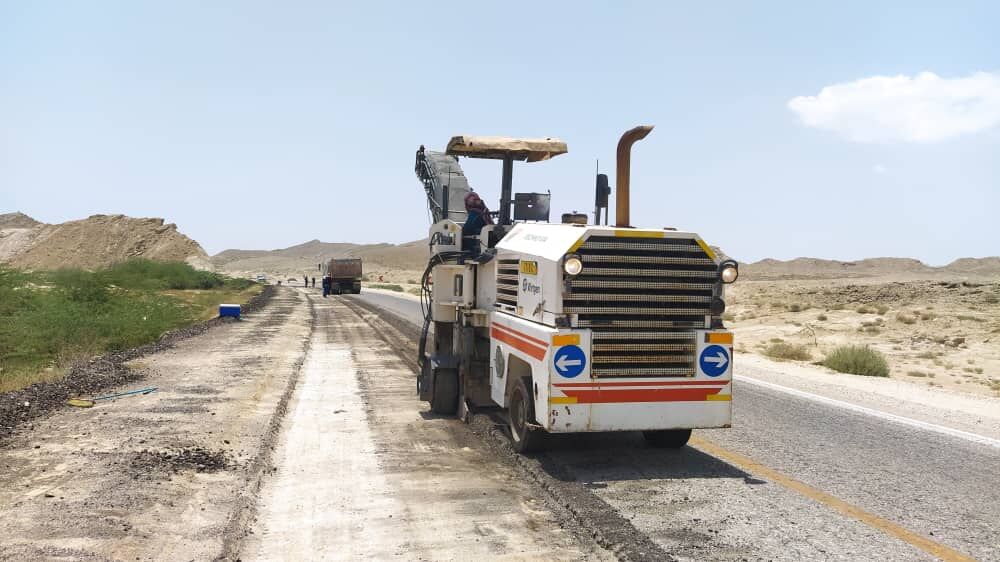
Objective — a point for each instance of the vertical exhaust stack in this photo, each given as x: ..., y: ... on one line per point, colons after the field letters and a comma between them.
x: 624, y: 163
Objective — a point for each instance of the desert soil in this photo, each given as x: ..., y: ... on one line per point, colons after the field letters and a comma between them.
x: 942, y: 333
x: 165, y: 476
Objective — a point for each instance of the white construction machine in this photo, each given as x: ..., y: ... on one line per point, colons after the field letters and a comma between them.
x: 570, y: 327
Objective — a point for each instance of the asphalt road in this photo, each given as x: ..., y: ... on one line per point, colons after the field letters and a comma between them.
x: 793, y: 479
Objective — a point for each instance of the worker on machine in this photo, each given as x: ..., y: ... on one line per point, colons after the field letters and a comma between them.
x: 478, y: 217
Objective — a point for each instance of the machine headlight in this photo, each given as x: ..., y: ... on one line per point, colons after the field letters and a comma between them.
x: 728, y: 271
x: 573, y: 265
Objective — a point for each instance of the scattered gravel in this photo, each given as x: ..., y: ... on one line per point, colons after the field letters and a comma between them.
x: 194, y: 458
x: 88, y: 378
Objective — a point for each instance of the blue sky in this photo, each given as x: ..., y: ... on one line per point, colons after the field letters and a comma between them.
x: 262, y: 125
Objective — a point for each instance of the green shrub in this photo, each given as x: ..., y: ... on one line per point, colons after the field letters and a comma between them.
x: 788, y: 351
x: 797, y: 307
x: 821, y: 318
x: 857, y: 360
x: 56, y: 318
x: 387, y: 287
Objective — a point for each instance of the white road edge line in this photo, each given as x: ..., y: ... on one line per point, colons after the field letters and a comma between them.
x: 974, y: 437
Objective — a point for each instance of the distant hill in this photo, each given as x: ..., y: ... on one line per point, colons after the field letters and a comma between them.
x: 93, y: 242
x: 303, y: 258
x: 812, y: 268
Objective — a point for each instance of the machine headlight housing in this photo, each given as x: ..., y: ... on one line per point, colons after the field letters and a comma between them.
x: 572, y: 265
x: 728, y: 271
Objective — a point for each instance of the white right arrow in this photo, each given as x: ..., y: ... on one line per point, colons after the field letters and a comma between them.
x: 564, y: 361
x: 720, y: 360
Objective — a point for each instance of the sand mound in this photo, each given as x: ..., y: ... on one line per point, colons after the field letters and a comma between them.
x: 94, y: 242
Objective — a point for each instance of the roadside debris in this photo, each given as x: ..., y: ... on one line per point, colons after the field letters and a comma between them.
x: 192, y: 458
x: 89, y: 403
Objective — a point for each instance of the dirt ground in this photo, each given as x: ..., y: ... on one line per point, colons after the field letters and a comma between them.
x: 942, y: 333
x: 163, y: 476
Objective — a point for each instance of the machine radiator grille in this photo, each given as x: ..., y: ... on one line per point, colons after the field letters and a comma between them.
x: 507, y: 284
x: 642, y: 298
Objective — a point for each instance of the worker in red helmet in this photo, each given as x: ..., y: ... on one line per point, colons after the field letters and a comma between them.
x: 478, y: 216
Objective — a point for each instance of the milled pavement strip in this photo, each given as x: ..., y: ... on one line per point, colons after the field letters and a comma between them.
x: 246, y: 504
x: 364, y: 472
x: 931, y: 547
x: 968, y: 436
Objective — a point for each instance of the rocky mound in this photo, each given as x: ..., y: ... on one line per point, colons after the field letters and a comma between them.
x: 94, y: 242
x: 17, y: 220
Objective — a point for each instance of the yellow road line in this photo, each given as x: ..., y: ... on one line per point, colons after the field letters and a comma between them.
x: 935, y: 549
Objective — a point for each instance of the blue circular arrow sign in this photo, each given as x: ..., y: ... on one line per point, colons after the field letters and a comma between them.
x: 569, y: 361
x: 714, y: 360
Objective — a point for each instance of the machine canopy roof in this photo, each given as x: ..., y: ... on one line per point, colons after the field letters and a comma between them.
x: 531, y: 150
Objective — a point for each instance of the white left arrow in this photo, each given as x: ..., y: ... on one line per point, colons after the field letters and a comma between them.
x: 720, y: 360
x: 564, y: 361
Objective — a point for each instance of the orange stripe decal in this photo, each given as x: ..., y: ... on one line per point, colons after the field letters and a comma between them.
x: 519, y: 344
x: 521, y: 335
x: 603, y: 396
x: 589, y: 385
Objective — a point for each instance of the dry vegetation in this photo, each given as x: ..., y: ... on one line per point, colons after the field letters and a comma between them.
x: 933, y: 332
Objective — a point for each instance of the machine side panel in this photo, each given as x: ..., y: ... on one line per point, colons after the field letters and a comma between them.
x: 529, y: 343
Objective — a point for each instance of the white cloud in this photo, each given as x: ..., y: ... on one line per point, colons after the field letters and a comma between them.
x: 923, y: 108
x: 880, y: 169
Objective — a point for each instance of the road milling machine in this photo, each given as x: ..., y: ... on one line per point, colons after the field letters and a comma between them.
x: 569, y: 327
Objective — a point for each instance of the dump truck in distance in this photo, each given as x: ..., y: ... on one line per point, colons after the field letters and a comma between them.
x: 344, y: 275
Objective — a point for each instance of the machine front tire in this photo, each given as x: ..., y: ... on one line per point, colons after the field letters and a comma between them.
x: 520, y: 413
x: 668, y: 438
x: 444, y: 392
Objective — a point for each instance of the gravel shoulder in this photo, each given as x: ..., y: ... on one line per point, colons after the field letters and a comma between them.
x: 166, y: 476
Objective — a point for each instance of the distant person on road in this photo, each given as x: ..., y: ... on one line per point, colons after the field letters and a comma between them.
x: 326, y: 286
x: 305, y: 281
x: 478, y: 217
x: 314, y: 282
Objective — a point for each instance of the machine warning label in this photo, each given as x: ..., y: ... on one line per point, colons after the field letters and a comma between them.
x: 569, y: 361
x: 714, y: 360
x: 529, y: 267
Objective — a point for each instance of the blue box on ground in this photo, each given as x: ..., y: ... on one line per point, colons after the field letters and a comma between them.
x: 229, y: 310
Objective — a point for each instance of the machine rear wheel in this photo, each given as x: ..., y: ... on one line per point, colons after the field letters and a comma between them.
x: 444, y: 392
x: 521, y: 413
x: 667, y: 439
